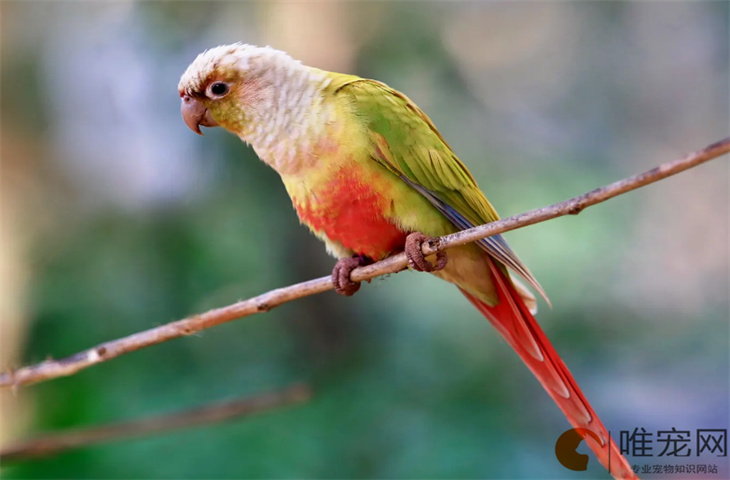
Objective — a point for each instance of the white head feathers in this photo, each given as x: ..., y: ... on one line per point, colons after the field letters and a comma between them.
x: 281, y: 99
x: 241, y: 57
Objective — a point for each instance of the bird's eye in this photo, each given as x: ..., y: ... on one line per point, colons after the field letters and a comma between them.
x: 218, y: 89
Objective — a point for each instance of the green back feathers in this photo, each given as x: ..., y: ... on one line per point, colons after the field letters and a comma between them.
x: 410, y: 146
x: 406, y: 142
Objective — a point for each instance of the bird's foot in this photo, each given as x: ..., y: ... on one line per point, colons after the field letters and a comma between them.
x: 341, y: 275
x: 415, y: 256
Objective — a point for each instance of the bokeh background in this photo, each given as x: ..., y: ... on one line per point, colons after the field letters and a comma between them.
x: 116, y: 218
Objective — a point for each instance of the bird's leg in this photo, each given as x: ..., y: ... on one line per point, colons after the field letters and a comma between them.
x: 341, y: 274
x: 415, y: 256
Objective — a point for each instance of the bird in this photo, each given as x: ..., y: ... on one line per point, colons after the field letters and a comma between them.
x: 370, y: 175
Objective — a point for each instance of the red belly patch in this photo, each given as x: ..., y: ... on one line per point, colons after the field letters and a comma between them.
x: 351, y: 212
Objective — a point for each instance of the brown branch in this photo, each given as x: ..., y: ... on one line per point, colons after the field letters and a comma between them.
x: 263, y: 303
x: 57, y: 442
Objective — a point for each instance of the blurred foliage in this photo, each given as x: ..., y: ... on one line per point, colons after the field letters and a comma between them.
x: 124, y: 220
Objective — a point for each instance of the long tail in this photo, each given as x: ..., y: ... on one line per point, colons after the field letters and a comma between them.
x: 517, y: 325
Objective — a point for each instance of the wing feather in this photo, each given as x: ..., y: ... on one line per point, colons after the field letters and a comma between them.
x: 408, y: 144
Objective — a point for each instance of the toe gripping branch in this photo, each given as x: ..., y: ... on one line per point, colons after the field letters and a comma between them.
x: 416, y: 259
x: 341, y: 275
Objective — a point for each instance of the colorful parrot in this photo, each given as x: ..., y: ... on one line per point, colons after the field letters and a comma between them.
x: 370, y: 175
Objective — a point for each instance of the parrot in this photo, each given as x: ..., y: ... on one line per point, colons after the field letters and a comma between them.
x: 370, y: 175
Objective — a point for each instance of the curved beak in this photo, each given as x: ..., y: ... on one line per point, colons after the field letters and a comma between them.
x: 195, y: 114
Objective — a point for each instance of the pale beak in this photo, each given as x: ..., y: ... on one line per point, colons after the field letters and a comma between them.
x: 195, y: 114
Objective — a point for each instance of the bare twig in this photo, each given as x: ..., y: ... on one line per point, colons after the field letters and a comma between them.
x: 263, y: 303
x: 57, y: 442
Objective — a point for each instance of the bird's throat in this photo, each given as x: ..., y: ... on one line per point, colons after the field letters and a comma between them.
x: 296, y: 117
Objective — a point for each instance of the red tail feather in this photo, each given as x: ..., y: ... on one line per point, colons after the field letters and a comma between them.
x: 513, y: 320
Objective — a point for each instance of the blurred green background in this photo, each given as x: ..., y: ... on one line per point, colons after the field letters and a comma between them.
x: 116, y: 218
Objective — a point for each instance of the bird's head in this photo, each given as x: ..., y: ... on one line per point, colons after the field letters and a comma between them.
x: 233, y: 86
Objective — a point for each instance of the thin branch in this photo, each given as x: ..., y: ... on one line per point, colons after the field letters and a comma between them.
x: 263, y: 303
x: 57, y: 442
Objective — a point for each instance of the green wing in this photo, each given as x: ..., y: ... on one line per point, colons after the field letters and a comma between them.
x: 407, y: 143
